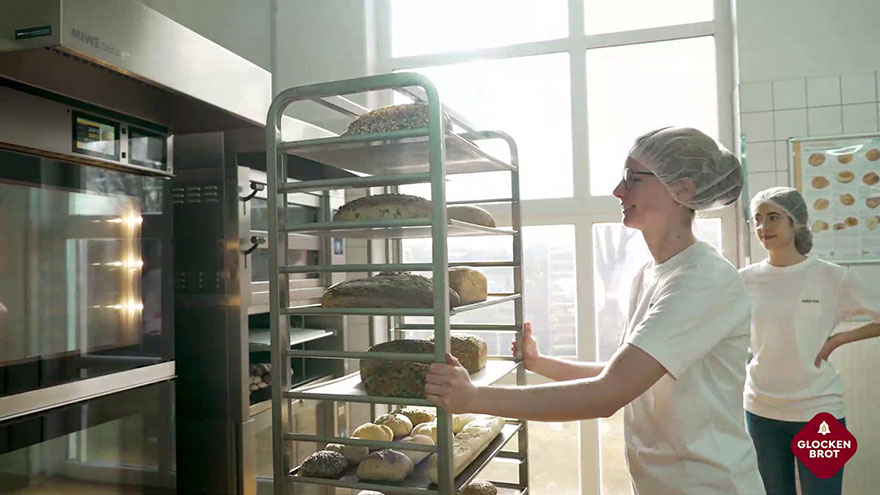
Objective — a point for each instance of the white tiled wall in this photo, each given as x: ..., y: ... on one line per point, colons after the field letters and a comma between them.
x: 773, y: 111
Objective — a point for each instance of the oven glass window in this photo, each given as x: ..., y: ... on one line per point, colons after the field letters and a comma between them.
x: 84, y: 270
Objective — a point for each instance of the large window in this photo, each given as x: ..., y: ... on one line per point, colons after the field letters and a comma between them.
x: 549, y: 282
x: 574, y: 82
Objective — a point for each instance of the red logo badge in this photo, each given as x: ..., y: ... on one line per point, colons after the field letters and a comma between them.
x: 824, y: 445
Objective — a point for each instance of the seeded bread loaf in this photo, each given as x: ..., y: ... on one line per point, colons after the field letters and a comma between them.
x: 324, y: 464
x: 407, y: 378
x: 406, y: 206
x: 385, y: 290
x: 393, y: 118
x: 384, y: 207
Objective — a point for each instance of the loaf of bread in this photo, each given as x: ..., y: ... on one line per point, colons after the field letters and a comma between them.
x: 468, y: 444
x: 384, y: 207
x: 405, y: 206
x: 416, y: 416
x: 385, y: 465
x: 416, y: 456
x: 399, y: 424
x: 354, y: 454
x: 370, y: 431
x: 385, y: 290
x: 324, y: 464
x: 470, y: 350
x: 407, y: 378
x: 393, y: 118
x: 469, y: 283
x: 427, y: 429
x: 470, y: 214
x: 479, y: 487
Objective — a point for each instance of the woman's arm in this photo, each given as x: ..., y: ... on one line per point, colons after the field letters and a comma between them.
x: 630, y: 372
x: 863, y: 332
x: 552, y: 368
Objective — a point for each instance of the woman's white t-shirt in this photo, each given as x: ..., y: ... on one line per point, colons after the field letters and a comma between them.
x: 685, y: 435
x: 794, y: 311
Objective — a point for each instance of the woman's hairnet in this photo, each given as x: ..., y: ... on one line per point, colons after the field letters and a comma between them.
x: 792, y: 203
x: 676, y: 153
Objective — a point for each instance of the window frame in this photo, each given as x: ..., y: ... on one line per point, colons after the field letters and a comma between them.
x: 582, y: 209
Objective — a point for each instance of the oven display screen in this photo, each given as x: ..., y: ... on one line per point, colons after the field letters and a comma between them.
x: 147, y: 149
x: 95, y: 136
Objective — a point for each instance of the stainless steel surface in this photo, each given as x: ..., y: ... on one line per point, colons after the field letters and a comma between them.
x: 133, y: 40
x: 418, y: 480
x: 413, y: 267
x: 350, y: 388
x: 394, y: 229
x: 373, y: 444
x: 260, y: 339
x: 389, y: 356
x: 385, y: 155
x: 369, y: 181
x: 474, y: 327
x: 318, y: 310
x: 40, y: 400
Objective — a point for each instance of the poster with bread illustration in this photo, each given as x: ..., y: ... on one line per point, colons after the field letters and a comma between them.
x: 840, y: 180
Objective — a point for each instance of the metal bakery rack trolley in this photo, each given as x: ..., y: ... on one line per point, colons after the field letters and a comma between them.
x: 389, y: 159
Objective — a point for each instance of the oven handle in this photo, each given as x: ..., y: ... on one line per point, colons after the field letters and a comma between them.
x: 255, y: 188
x: 256, y: 240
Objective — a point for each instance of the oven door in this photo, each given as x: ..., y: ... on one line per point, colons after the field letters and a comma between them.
x: 85, y: 279
x: 118, y: 443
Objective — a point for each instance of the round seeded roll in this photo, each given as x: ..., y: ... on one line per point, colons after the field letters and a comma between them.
x: 479, y: 487
x: 399, y: 424
x: 415, y: 415
x: 385, y: 465
x: 324, y: 464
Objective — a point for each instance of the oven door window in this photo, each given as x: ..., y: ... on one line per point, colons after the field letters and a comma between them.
x: 84, y: 271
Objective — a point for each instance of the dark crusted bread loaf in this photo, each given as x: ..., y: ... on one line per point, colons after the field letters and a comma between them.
x: 393, y: 118
x: 407, y: 378
x: 324, y: 464
x: 385, y: 290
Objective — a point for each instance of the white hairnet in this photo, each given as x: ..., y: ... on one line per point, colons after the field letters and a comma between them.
x: 792, y: 203
x: 676, y: 153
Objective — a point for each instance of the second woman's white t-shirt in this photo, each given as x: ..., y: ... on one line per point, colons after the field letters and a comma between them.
x: 794, y: 311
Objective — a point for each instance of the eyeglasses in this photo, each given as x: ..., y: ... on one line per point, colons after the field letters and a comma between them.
x: 629, y: 176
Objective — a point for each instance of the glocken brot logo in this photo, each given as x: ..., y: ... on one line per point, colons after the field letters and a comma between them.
x: 824, y: 445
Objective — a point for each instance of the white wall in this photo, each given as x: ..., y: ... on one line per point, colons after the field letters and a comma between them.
x: 320, y: 41
x: 780, y: 39
x: 241, y: 26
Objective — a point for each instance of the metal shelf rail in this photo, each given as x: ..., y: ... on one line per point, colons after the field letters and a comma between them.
x: 389, y: 159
